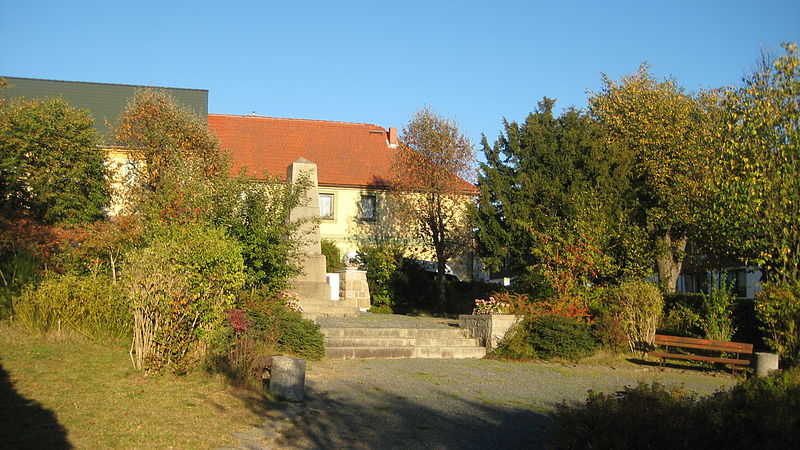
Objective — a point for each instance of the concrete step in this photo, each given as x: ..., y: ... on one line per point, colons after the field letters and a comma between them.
x: 400, y: 342
x: 415, y: 333
x: 404, y: 352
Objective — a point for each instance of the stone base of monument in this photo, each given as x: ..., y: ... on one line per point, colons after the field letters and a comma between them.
x: 287, y: 378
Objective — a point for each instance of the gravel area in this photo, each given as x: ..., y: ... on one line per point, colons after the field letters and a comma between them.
x: 451, y: 404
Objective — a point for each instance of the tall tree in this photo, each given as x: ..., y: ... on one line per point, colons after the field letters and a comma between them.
x: 180, y: 175
x: 755, y: 214
x: 553, y: 176
x: 668, y: 132
x: 51, y: 168
x: 430, y: 194
x: 162, y: 137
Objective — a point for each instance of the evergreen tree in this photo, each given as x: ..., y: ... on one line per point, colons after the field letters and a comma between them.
x: 550, y: 176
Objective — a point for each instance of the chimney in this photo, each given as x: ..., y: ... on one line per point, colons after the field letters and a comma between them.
x: 392, y: 137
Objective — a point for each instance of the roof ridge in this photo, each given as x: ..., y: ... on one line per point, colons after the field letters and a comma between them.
x: 151, y: 86
x: 339, y: 122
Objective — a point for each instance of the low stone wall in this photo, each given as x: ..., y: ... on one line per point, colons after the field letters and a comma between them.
x: 490, y: 329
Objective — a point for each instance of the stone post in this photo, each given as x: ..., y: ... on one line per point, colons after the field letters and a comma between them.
x: 288, y: 378
x: 353, y: 288
x: 766, y: 363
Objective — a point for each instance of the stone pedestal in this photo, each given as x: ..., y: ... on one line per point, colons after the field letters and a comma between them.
x: 353, y: 287
x: 312, y: 260
x: 766, y: 363
x: 490, y: 329
x: 288, y: 378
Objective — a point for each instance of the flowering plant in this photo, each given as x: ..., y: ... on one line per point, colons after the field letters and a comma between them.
x: 291, y: 300
x: 490, y: 306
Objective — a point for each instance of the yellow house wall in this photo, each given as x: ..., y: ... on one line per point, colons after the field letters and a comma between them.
x: 346, y: 226
x: 346, y: 223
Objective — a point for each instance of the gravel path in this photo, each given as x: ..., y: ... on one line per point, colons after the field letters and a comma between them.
x: 447, y: 404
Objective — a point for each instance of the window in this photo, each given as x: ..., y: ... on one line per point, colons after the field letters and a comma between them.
x: 367, y: 207
x: 326, y: 206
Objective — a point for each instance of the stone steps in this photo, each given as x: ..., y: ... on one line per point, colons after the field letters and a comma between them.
x: 404, y: 352
x: 396, y: 338
x: 400, y: 342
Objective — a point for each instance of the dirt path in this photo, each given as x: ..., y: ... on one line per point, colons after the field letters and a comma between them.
x: 449, y: 404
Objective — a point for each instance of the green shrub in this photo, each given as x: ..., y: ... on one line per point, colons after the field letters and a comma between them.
x: 639, y: 305
x: 381, y: 309
x: 181, y: 287
x: 17, y: 270
x: 646, y: 416
x: 682, y: 320
x: 717, y: 320
x: 552, y: 336
x: 92, y: 305
x: 381, y: 263
x: 778, y: 309
x: 757, y: 413
x: 515, y: 345
x: 609, y: 331
x: 333, y: 257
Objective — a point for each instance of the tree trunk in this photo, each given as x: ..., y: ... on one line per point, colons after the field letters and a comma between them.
x: 440, y: 287
x: 670, y: 261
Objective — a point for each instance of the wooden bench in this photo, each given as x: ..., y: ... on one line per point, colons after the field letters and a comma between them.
x: 738, y: 348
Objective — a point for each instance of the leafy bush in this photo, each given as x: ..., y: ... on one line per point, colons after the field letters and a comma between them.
x: 552, y: 336
x: 778, y: 309
x: 333, y: 257
x: 757, y: 413
x: 717, y: 320
x: 92, y: 305
x: 515, y: 345
x: 682, y: 320
x: 639, y: 305
x: 181, y: 287
x: 264, y: 325
x: 646, y: 416
x: 381, y: 263
x: 609, y: 330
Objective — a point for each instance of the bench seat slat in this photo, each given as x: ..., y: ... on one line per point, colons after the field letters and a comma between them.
x: 700, y: 358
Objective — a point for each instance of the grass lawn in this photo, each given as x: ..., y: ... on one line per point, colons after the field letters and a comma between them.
x: 68, y: 392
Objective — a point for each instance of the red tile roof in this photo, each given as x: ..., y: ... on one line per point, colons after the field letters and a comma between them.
x: 346, y: 154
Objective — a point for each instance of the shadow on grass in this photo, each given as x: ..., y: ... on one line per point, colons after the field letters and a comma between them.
x: 679, y: 365
x: 374, y: 418
x: 24, y: 423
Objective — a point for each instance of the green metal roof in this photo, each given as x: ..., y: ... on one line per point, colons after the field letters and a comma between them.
x: 105, y: 101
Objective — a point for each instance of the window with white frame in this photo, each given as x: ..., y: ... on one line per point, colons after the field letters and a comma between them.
x: 326, y: 206
x: 368, y: 207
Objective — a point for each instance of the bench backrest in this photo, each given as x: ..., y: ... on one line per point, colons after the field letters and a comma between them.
x: 703, y: 344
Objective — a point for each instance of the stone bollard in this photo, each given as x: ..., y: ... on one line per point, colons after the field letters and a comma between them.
x: 287, y: 378
x: 766, y: 363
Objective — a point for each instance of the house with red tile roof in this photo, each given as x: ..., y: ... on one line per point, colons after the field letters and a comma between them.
x: 353, y: 163
x: 353, y: 167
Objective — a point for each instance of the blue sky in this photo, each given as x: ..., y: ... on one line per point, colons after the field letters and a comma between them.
x: 376, y: 62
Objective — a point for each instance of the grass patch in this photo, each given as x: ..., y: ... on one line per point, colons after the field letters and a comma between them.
x: 65, y: 392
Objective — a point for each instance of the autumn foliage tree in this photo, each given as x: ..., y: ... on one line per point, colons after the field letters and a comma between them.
x: 429, y: 192
x: 668, y: 131
x: 161, y: 138
x: 755, y: 213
